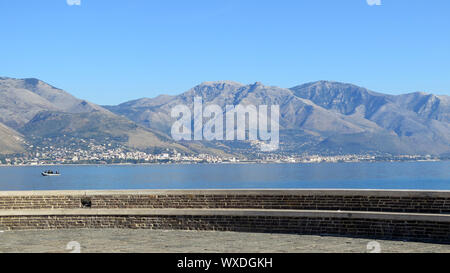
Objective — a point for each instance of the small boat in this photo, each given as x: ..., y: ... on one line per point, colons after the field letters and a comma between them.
x: 50, y: 173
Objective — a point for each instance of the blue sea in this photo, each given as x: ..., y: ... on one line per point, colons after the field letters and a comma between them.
x: 382, y: 175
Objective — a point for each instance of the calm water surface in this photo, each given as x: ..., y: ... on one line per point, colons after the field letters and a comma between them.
x: 385, y: 175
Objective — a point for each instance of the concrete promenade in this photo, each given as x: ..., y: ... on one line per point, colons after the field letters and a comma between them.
x: 169, y: 241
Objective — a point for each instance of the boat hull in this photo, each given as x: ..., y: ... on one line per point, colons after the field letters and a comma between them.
x: 48, y: 174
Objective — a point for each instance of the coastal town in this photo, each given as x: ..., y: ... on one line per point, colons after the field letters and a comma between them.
x: 108, y: 154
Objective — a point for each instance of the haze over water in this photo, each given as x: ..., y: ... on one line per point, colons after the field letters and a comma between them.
x: 383, y: 175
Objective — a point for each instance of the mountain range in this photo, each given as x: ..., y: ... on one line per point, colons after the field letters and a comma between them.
x: 31, y: 111
x: 321, y: 117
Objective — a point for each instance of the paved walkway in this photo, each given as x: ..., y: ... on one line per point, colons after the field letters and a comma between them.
x: 145, y: 241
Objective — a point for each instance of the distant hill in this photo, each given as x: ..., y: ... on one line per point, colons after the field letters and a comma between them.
x: 321, y: 117
x: 38, y: 110
x: 22, y: 99
x: 419, y: 122
x: 98, y: 126
x: 11, y: 142
x: 295, y: 112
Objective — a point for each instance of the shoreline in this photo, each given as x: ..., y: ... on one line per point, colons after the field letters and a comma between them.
x: 227, y: 163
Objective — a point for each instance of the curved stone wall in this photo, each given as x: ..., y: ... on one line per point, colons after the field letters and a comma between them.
x: 349, y: 200
x: 406, y: 215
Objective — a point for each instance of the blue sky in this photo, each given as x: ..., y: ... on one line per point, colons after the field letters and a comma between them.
x: 112, y: 51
